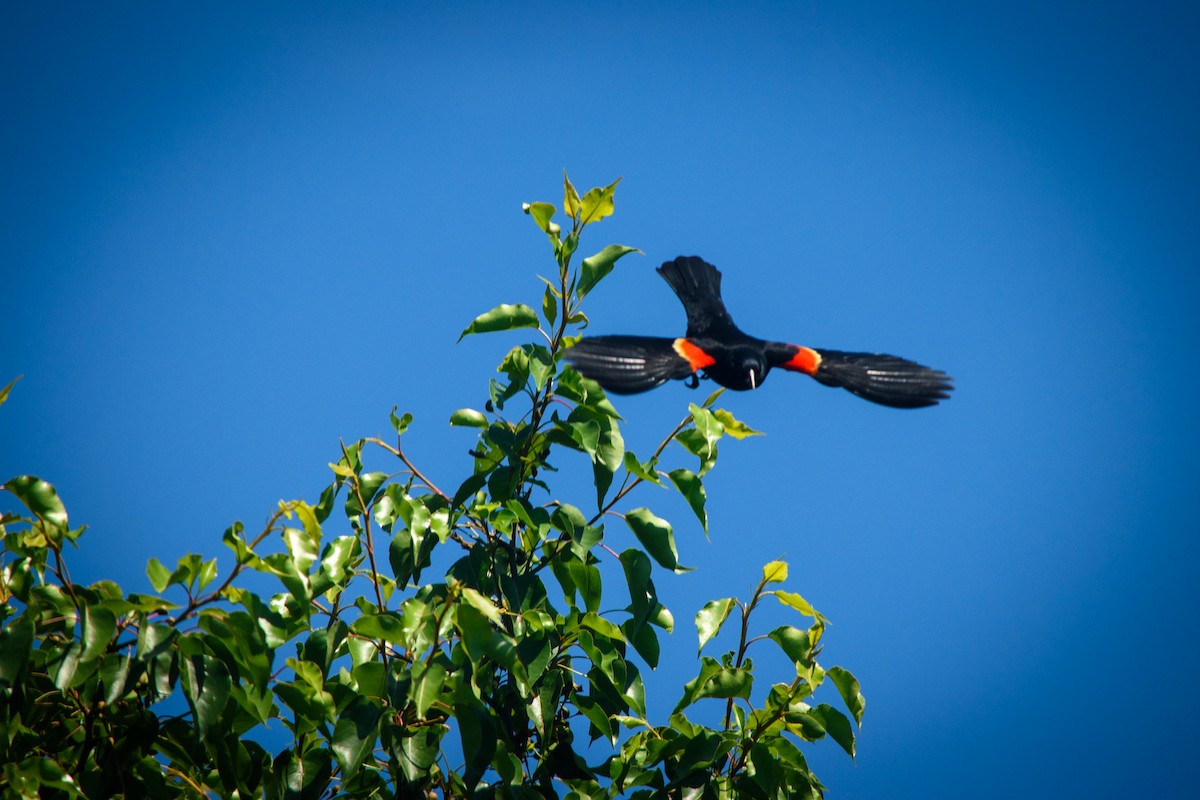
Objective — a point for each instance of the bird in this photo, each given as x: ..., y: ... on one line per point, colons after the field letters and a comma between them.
x: 717, y: 347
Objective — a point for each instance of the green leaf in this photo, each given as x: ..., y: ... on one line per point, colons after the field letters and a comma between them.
x: 541, y: 213
x: 4, y: 392
x: 419, y: 749
x: 301, y: 777
x: 400, y: 424
x: 469, y: 487
x: 775, y: 572
x: 355, y: 734
x: 595, y: 267
x: 387, y: 626
x: 644, y: 471
x: 206, y: 684
x: 695, y: 443
x: 600, y: 625
x: 797, y: 644
x: 469, y: 417
x: 159, y: 575
x: 40, y: 498
x: 637, y: 576
x: 595, y: 713
x: 571, y: 203
x: 734, y: 427
x: 710, y: 618
x: 597, y: 203
x: 550, y: 304
x: 851, y: 692
x: 836, y: 725
x: 797, y: 602
x: 482, y: 604
x: 644, y: 641
x: 587, y: 581
x: 503, y: 317
x: 99, y: 625
x: 478, y: 733
x: 707, y: 425
x: 584, y: 432
x: 805, y: 724
x: 16, y: 645
x: 427, y: 686
x: 692, y: 489
x: 656, y: 536
x: 718, y: 681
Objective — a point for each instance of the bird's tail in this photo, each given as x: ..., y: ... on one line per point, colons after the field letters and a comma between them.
x: 698, y: 286
x: 628, y: 364
x: 883, y: 379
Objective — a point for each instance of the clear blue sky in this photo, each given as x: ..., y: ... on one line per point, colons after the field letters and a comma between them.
x: 233, y: 236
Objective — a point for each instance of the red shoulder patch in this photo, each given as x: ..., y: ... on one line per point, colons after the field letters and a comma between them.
x: 693, y: 354
x: 805, y: 360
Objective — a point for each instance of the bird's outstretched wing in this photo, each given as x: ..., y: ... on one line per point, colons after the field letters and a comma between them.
x: 698, y: 286
x: 631, y: 364
x: 887, y: 380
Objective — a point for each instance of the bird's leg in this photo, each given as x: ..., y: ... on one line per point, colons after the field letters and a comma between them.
x: 692, y: 381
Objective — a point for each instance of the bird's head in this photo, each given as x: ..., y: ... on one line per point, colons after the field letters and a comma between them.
x: 752, y: 366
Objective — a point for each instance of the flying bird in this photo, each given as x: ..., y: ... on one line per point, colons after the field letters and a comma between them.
x: 716, y: 346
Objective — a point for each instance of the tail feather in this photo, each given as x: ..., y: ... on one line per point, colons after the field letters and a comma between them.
x: 887, y: 380
x: 628, y: 364
x: 698, y: 286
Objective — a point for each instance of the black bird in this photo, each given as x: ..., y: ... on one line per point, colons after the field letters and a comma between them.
x: 631, y: 364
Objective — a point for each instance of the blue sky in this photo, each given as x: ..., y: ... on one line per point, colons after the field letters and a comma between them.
x: 233, y: 236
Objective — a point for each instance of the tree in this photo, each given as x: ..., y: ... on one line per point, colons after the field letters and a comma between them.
x: 424, y: 639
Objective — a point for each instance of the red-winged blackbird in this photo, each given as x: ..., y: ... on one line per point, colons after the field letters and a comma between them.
x: 630, y: 364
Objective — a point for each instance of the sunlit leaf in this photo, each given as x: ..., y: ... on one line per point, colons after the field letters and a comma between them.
x: 541, y: 213
x: 644, y: 471
x: 387, y: 626
x: 716, y: 680
x: 159, y: 575
x: 427, y: 686
x: 593, y: 268
x: 4, y: 392
x: 401, y: 423
x: 601, y: 626
x: 710, y: 618
x: 99, y: 624
x: 570, y: 198
x: 797, y: 644
x: 40, y: 498
x: 469, y: 417
x: 797, y: 602
x: 775, y: 572
x: 481, y: 603
x: 503, y: 317
x: 597, y: 203
x: 734, y: 427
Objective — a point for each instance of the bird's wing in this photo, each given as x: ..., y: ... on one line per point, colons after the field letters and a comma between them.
x: 698, y: 286
x: 631, y: 364
x: 887, y: 380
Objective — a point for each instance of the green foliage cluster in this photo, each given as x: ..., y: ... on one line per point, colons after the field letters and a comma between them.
x: 486, y: 676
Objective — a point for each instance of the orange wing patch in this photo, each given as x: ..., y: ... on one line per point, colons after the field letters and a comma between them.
x: 804, y: 360
x: 693, y: 354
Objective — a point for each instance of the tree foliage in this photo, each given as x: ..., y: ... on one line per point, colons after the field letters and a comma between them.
x: 423, y: 638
